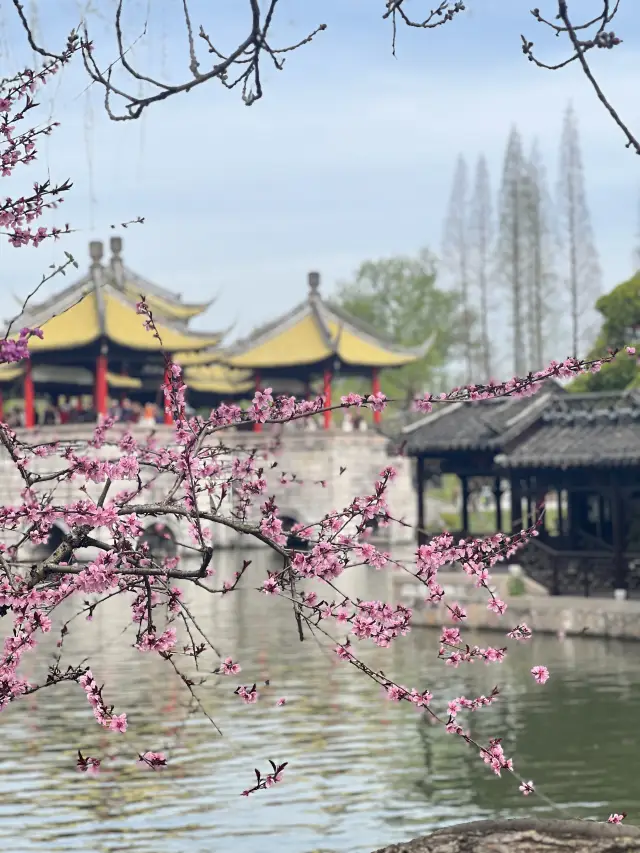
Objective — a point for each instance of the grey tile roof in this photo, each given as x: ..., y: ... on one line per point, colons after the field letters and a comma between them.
x: 483, y: 425
x: 582, y: 429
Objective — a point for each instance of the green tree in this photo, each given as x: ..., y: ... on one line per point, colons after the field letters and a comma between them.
x: 620, y: 311
x: 399, y: 299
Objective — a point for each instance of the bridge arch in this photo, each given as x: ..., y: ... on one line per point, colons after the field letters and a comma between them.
x: 290, y: 518
x: 161, y: 540
x: 56, y: 538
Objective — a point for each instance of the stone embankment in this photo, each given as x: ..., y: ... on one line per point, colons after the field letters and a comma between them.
x: 564, y: 615
x: 525, y: 836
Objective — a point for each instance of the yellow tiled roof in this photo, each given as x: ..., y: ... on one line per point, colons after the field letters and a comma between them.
x: 170, y: 309
x: 11, y: 372
x: 76, y: 327
x: 301, y: 344
x: 124, y: 326
x: 313, y: 333
x: 359, y: 350
x: 80, y: 325
x: 117, y: 380
x: 219, y: 379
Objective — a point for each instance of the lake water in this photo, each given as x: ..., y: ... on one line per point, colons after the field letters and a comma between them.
x: 362, y: 772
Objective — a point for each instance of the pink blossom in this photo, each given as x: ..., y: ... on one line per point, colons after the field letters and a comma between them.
x: 118, y: 724
x: 541, y: 674
x: 228, y: 667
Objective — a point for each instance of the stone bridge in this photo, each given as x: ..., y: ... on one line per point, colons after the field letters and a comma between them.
x: 330, y: 467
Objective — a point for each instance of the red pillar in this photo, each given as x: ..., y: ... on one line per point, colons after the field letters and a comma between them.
x: 256, y: 426
x: 168, y: 417
x: 29, y: 397
x: 375, y: 389
x: 327, y: 399
x: 101, y: 391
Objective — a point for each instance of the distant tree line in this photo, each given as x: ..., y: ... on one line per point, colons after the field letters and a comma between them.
x: 528, y: 275
x: 516, y: 282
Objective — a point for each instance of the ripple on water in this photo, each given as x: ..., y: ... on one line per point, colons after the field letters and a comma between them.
x: 362, y: 772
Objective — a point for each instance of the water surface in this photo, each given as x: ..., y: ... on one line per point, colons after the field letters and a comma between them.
x: 362, y: 772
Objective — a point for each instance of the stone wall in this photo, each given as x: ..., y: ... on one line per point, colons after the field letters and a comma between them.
x: 526, y: 836
x: 568, y: 615
x: 331, y: 469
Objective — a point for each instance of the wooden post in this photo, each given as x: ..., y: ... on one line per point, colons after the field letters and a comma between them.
x: 464, y: 480
x: 375, y: 389
x: 617, y: 519
x: 561, y: 519
x: 541, y: 505
x: 327, y: 399
x: 422, y: 532
x: 516, y: 504
x: 256, y: 426
x: 497, y: 492
x: 29, y: 397
x: 101, y: 391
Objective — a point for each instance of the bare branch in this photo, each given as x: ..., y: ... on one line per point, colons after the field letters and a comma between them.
x: 601, y: 39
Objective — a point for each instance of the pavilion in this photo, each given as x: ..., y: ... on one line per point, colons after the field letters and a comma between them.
x: 95, y: 339
x: 314, y: 340
x: 579, y: 451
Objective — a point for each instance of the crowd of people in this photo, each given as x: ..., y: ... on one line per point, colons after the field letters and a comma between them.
x: 80, y: 410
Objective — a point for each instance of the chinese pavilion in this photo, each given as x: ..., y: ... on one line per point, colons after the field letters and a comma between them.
x: 314, y: 340
x: 571, y: 462
x: 94, y: 338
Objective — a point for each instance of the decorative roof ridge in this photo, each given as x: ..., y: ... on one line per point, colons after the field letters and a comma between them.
x: 316, y: 307
x: 167, y: 322
x: 535, y: 410
x: 35, y: 309
x: 264, y: 332
x: 434, y: 415
x: 133, y: 278
x: 587, y: 417
x: 45, y: 314
x: 364, y: 329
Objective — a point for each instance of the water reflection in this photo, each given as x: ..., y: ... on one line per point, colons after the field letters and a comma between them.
x: 362, y: 772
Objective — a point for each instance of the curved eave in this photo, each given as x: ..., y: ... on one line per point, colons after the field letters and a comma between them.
x: 219, y: 380
x: 165, y: 307
x: 10, y: 372
x: 70, y: 294
x: 357, y: 345
x: 197, y: 359
x: 125, y: 327
x: 116, y: 380
x: 74, y: 327
x: 297, y: 340
x: 219, y: 389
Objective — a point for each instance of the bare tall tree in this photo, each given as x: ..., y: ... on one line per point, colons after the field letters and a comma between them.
x: 510, y: 245
x: 480, y: 241
x: 581, y: 266
x: 541, y: 295
x: 455, y: 258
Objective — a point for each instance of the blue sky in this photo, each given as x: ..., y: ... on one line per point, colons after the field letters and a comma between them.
x: 348, y: 157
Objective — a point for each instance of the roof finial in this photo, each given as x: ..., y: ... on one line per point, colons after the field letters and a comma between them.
x: 314, y: 282
x: 116, y: 246
x: 96, y: 250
